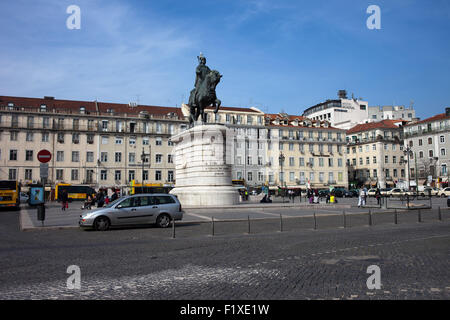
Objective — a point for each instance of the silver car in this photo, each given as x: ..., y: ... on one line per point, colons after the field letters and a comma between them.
x: 156, y: 208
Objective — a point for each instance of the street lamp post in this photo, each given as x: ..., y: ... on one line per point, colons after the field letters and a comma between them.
x: 408, y: 152
x: 281, y: 159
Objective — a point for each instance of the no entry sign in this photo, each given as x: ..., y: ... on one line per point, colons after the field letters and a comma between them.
x: 44, y: 156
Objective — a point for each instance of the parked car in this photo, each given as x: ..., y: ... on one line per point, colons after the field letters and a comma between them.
x: 396, y: 192
x: 339, y: 192
x: 384, y: 191
x: 354, y: 192
x: 427, y: 190
x: 155, y: 208
x: 371, y: 192
x: 324, y: 193
x: 444, y: 192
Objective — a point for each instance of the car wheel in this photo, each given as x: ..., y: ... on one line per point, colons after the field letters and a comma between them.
x: 443, y: 195
x: 102, y: 224
x: 163, y: 221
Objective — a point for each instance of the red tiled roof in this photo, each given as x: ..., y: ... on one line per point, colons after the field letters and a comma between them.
x: 384, y: 124
x: 441, y: 116
x: 90, y: 106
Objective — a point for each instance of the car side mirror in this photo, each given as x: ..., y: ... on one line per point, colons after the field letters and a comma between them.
x: 119, y: 206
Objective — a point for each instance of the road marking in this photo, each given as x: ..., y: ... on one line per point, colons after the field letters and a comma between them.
x: 200, y: 216
x: 268, y: 213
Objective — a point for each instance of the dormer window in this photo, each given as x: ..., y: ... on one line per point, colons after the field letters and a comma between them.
x: 43, y: 108
x: 82, y: 110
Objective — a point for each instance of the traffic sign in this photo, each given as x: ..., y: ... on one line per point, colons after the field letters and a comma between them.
x: 44, y: 156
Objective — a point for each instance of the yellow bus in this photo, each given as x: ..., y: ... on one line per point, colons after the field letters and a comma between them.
x: 74, y: 192
x: 9, y: 193
x: 137, y: 188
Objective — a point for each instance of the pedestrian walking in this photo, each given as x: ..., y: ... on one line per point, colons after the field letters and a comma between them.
x: 100, y: 199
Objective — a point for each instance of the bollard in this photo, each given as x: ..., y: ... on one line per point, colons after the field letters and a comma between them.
x: 395, y: 217
x: 439, y: 213
x: 173, y: 228
x: 345, y: 219
x: 281, y: 223
x: 407, y: 201
x: 370, y: 218
x: 248, y: 219
x: 41, y: 213
x: 419, y: 217
x: 212, y: 226
x: 315, y: 221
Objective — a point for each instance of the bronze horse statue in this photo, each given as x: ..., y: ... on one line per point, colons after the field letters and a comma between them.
x: 203, y: 97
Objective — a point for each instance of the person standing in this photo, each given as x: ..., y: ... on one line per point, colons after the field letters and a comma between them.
x: 65, y: 200
x: 114, y: 196
x: 101, y: 199
x: 378, y: 195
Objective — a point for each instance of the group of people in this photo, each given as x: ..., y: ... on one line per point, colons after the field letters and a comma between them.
x: 100, y: 199
x: 312, y: 195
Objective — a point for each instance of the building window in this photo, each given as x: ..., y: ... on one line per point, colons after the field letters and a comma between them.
x: 249, y: 176
x: 144, y: 175
x: 90, y: 138
x: 74, y: 174
x: 14, y: 135
x: 420, y: 142
x: 442, y: 152
x: 105, y: 139
x: 442, y: 139
x: 118, y: 157
x: 104, y: 157
x: 386, y: 159
x: 45, y: 137
x: 119, y: 140
x: 158, y: 176
x: 59, y: 174
x: 145, y: 141
x: 59, y: 156
x: 103, y: 175
x: 430, y: 140
x: 29, y: 136
x: 28, y: 155
x: 12, y: 174
x: 169, y: 158
x: 158, y: 158
x: 12, y: 155
x: 131, y: 157
x: 170, y: 176
x: 75, y: 156
x: 89, y: 156
x: 131, y: 175
x: 76, y: 138
x: 28, y: 174
x: 430, y: 153
x: 158, y: 141
x: 117, y: 175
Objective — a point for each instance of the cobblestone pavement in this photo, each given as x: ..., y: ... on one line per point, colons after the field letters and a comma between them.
x: 145, y: 263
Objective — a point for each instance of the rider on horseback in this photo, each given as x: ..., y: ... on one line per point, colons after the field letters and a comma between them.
x: 204, y: 93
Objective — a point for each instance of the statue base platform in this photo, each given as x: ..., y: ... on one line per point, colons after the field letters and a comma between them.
x: 203, y: 166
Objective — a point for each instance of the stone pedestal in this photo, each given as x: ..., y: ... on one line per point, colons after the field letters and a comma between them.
x: 203, y: 166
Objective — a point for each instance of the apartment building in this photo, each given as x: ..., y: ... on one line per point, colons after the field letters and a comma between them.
x: 304, y: 153
x: 429, y: 144
x: 375, y: 154
x: 378, y: 113
x: 97, y: 143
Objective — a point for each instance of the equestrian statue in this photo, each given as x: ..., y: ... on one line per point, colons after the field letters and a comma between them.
x: 204, y: 93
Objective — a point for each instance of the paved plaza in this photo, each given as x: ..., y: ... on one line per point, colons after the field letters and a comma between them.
x: 292, y: 261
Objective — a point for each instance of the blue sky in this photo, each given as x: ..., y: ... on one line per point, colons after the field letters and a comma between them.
x: 275, y: 55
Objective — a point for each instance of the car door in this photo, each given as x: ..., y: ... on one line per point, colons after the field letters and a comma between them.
x: 125, y: 212
x: 146, y: 210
